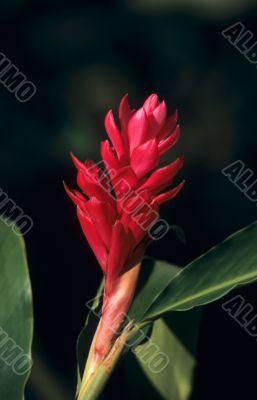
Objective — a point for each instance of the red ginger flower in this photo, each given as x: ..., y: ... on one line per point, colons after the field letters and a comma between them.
x: 116, y: 213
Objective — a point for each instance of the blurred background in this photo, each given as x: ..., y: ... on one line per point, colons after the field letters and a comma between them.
x: 83, y: 57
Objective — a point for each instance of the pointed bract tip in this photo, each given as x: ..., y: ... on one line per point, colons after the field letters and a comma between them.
x: 78, y: 164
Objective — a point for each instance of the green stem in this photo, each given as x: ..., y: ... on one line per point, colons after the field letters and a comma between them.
x: 92, y: 387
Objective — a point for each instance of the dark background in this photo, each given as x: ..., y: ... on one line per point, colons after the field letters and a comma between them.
x: 83, y: 57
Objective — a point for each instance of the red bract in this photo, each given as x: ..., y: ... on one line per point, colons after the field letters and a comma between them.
x: 117, y: 209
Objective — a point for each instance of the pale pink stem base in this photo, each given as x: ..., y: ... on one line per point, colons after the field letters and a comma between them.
x: 115, y: 310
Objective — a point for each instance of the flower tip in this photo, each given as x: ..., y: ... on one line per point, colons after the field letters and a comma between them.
x: 151, y: 103
x: 108, y: 114
x: 72, y: 155
x: 182, y: 183
x: 107, y: 119
x: 66, y: 187
x: 78, y: 164
x: 125, y: 97
x: 125, y: 111
x: 69, y: 191
x: 153, y: 97
x: 180, y: 186
x: 139, y: 116
x: 124, y: 103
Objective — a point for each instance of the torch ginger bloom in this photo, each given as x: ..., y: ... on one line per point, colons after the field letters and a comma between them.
x: 116, y: 210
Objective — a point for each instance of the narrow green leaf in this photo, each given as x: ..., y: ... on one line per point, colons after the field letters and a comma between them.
x: 16, y: 323
x: 211, y: 276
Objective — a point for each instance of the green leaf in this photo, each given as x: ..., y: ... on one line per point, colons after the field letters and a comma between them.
x: 16, y: 324
x: 165, y: 363
x: 211, y: 276
x: 154, y: 277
